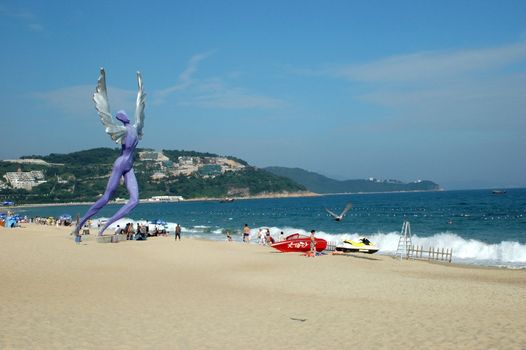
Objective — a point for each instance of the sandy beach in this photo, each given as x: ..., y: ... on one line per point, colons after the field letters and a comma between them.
x: 194, y: 294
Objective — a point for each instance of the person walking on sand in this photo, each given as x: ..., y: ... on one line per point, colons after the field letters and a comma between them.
x: 261, y: 237
x: 177, y: 232
x: 312, y: 243
x: 246, y: 233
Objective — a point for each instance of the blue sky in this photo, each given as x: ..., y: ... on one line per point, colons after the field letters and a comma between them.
x: 351, y: 89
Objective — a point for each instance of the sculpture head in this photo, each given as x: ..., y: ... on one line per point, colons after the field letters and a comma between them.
x: 121, y: 115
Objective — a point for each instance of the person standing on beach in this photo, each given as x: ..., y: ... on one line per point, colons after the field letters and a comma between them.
x: 261, y: 237
x: 85, y: 230
x: 177, y: 232
x: 78, y: 238
x: 138, y: 229
x: 129, y: 231
x: 268, y: 238
x: 312, y: 243
x: 246, y: 233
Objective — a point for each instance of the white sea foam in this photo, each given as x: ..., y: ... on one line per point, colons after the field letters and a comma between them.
x: 170, y: 226
x: 469, y: 251
x: 506, y: 254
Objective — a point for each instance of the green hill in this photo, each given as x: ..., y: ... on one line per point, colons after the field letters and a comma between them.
x: 82, y: 176
x: 321, y: 184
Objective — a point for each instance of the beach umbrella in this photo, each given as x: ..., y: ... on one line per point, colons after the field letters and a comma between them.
x: 159, y: 222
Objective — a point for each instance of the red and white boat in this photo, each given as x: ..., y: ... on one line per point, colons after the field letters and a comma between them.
x: 299, y: 243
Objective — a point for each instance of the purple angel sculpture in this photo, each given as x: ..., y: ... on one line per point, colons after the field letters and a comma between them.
x: 128, y: 136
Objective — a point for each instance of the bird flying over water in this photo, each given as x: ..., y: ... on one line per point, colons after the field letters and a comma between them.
x: 342, y: 215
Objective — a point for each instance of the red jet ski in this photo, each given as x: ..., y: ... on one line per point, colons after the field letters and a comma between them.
x: 299, y: 243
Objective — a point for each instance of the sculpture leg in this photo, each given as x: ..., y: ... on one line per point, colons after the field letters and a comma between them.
x: 113, y: 183
x: 133, y: 189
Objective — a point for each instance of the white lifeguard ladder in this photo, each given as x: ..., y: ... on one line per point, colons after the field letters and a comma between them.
x: 405, y: 241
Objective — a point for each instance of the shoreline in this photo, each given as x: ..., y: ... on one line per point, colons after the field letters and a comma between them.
x: 302, y: 194
x: 264, y: 196
x: 147, y: 201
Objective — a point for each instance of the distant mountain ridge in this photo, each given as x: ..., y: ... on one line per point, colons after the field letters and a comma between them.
x: 82, y: 176
x: 321, y: 184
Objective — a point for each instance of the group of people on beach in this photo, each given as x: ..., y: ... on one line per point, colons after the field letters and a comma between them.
x: 50, y: 221
x: 140, y: 233
x: 264, y: 237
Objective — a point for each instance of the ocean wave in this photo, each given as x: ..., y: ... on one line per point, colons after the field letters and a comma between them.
x: 469, y: 251
x: 194, y: 231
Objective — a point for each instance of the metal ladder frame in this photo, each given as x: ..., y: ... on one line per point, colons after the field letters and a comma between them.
x: 405, y: 241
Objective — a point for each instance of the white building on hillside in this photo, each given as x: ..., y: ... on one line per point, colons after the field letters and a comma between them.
x: 25, y: 179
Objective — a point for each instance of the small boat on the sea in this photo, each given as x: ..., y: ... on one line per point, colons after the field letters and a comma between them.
x: 363, y: 245
x: 499, y: 192
x: 299, y: 243
x: 226, y: 200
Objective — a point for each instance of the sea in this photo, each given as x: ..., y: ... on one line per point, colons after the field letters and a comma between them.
x: 481, y: 228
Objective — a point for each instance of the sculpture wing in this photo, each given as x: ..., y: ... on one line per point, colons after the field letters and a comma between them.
x: 139, y: 109
x: 100, y: 97
x: 347, y: 207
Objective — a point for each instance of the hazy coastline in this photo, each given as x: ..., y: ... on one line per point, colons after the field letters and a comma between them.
x: 204, y: 199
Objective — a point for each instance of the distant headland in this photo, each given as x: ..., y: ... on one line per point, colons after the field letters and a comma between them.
x: 321, y: 184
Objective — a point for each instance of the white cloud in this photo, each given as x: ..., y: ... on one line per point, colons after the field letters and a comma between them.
x: 475, y: 89
x: 491, y: 104
x: 425, y: 66
x: 185, y: 78
x: 35, y: 27
x: 77, y: 101
x: 216, y: 95
x: 213, y: 92
x: 28, y: 19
